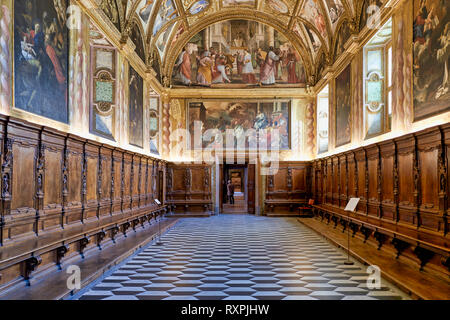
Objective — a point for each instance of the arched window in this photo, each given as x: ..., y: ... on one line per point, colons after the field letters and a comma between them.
x: 154, y: 120
x: 378, y: 82
x: 322, y: 120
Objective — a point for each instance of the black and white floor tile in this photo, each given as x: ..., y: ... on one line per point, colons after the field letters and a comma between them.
x: 239, y: 257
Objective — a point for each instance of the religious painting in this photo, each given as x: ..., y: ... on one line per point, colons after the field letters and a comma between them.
x: 111, y: 10
x: 278, y: 6
x: 314, y: 41
x: 239, y: 54
x: 249, y: 124
x: 166, y: 13
x: 311, y: 11
x: 232, y: 3
x: 41, y: 58
x: 343, y: 107
x: 136, y: 37
x: 163, y: 39
x: 136, y: 112
x: 335, y: 11
x: 431, y: 50
x: 198, y: 7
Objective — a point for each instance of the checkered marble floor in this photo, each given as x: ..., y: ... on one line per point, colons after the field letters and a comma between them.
x: 239, y: 257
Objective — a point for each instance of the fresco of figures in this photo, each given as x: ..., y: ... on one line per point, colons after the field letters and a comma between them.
x: 41, y: 58
x: 335, y: 10
x: 343, y: 107
x: 136, y: 111
x: 431, y: 71
x: 256, y: 124
x: 239, y: 53
x: 111, y: 10
x: 198, y: 6
x: 136, y: 37
x: 311, y: 11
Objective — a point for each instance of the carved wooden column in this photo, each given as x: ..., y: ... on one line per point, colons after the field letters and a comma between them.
x: 40, y: 176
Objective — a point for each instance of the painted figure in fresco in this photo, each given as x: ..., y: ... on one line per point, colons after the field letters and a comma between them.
x: 220, y: 74
x: 268, y: 69
x: 184, y: 65
x: 292, y: 59
x: 110, y: 9
x: 248, y: 73
x: 145, y: 11
x: 204, y: 72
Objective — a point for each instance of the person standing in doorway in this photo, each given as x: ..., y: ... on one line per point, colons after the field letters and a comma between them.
x: 230, y: 192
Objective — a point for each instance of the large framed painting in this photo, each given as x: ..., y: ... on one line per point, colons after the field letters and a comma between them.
x: 431, y: 68
x: 239, y: 54
x: 41, y: 58
x: 343, y: 107
x: 136, y: 111
x: 239, y: 124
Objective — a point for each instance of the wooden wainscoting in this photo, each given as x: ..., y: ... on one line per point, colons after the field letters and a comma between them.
x: 189, y: 190
x: 288, y: 188
x: 63, y: 196
x: 404, y: 189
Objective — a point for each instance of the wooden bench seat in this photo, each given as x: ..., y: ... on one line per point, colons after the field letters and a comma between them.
x: 400, y: 237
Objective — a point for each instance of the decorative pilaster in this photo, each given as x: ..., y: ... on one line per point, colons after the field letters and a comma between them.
x: 166, y: 125
x: 310, y: 129
x: 5, y: 59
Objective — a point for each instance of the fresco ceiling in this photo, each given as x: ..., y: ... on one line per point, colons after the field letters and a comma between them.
x: 167, y: 25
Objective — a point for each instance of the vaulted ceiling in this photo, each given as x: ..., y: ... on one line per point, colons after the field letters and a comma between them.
x: 165, y: 26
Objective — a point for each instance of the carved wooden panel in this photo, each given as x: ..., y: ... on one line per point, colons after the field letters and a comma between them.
x: 52, y: 145
x: 429, y: 155
x: 59, y: 190
x: 351, y: 176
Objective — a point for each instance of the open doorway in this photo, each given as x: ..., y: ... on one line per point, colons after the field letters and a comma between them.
x: 242, y: 177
